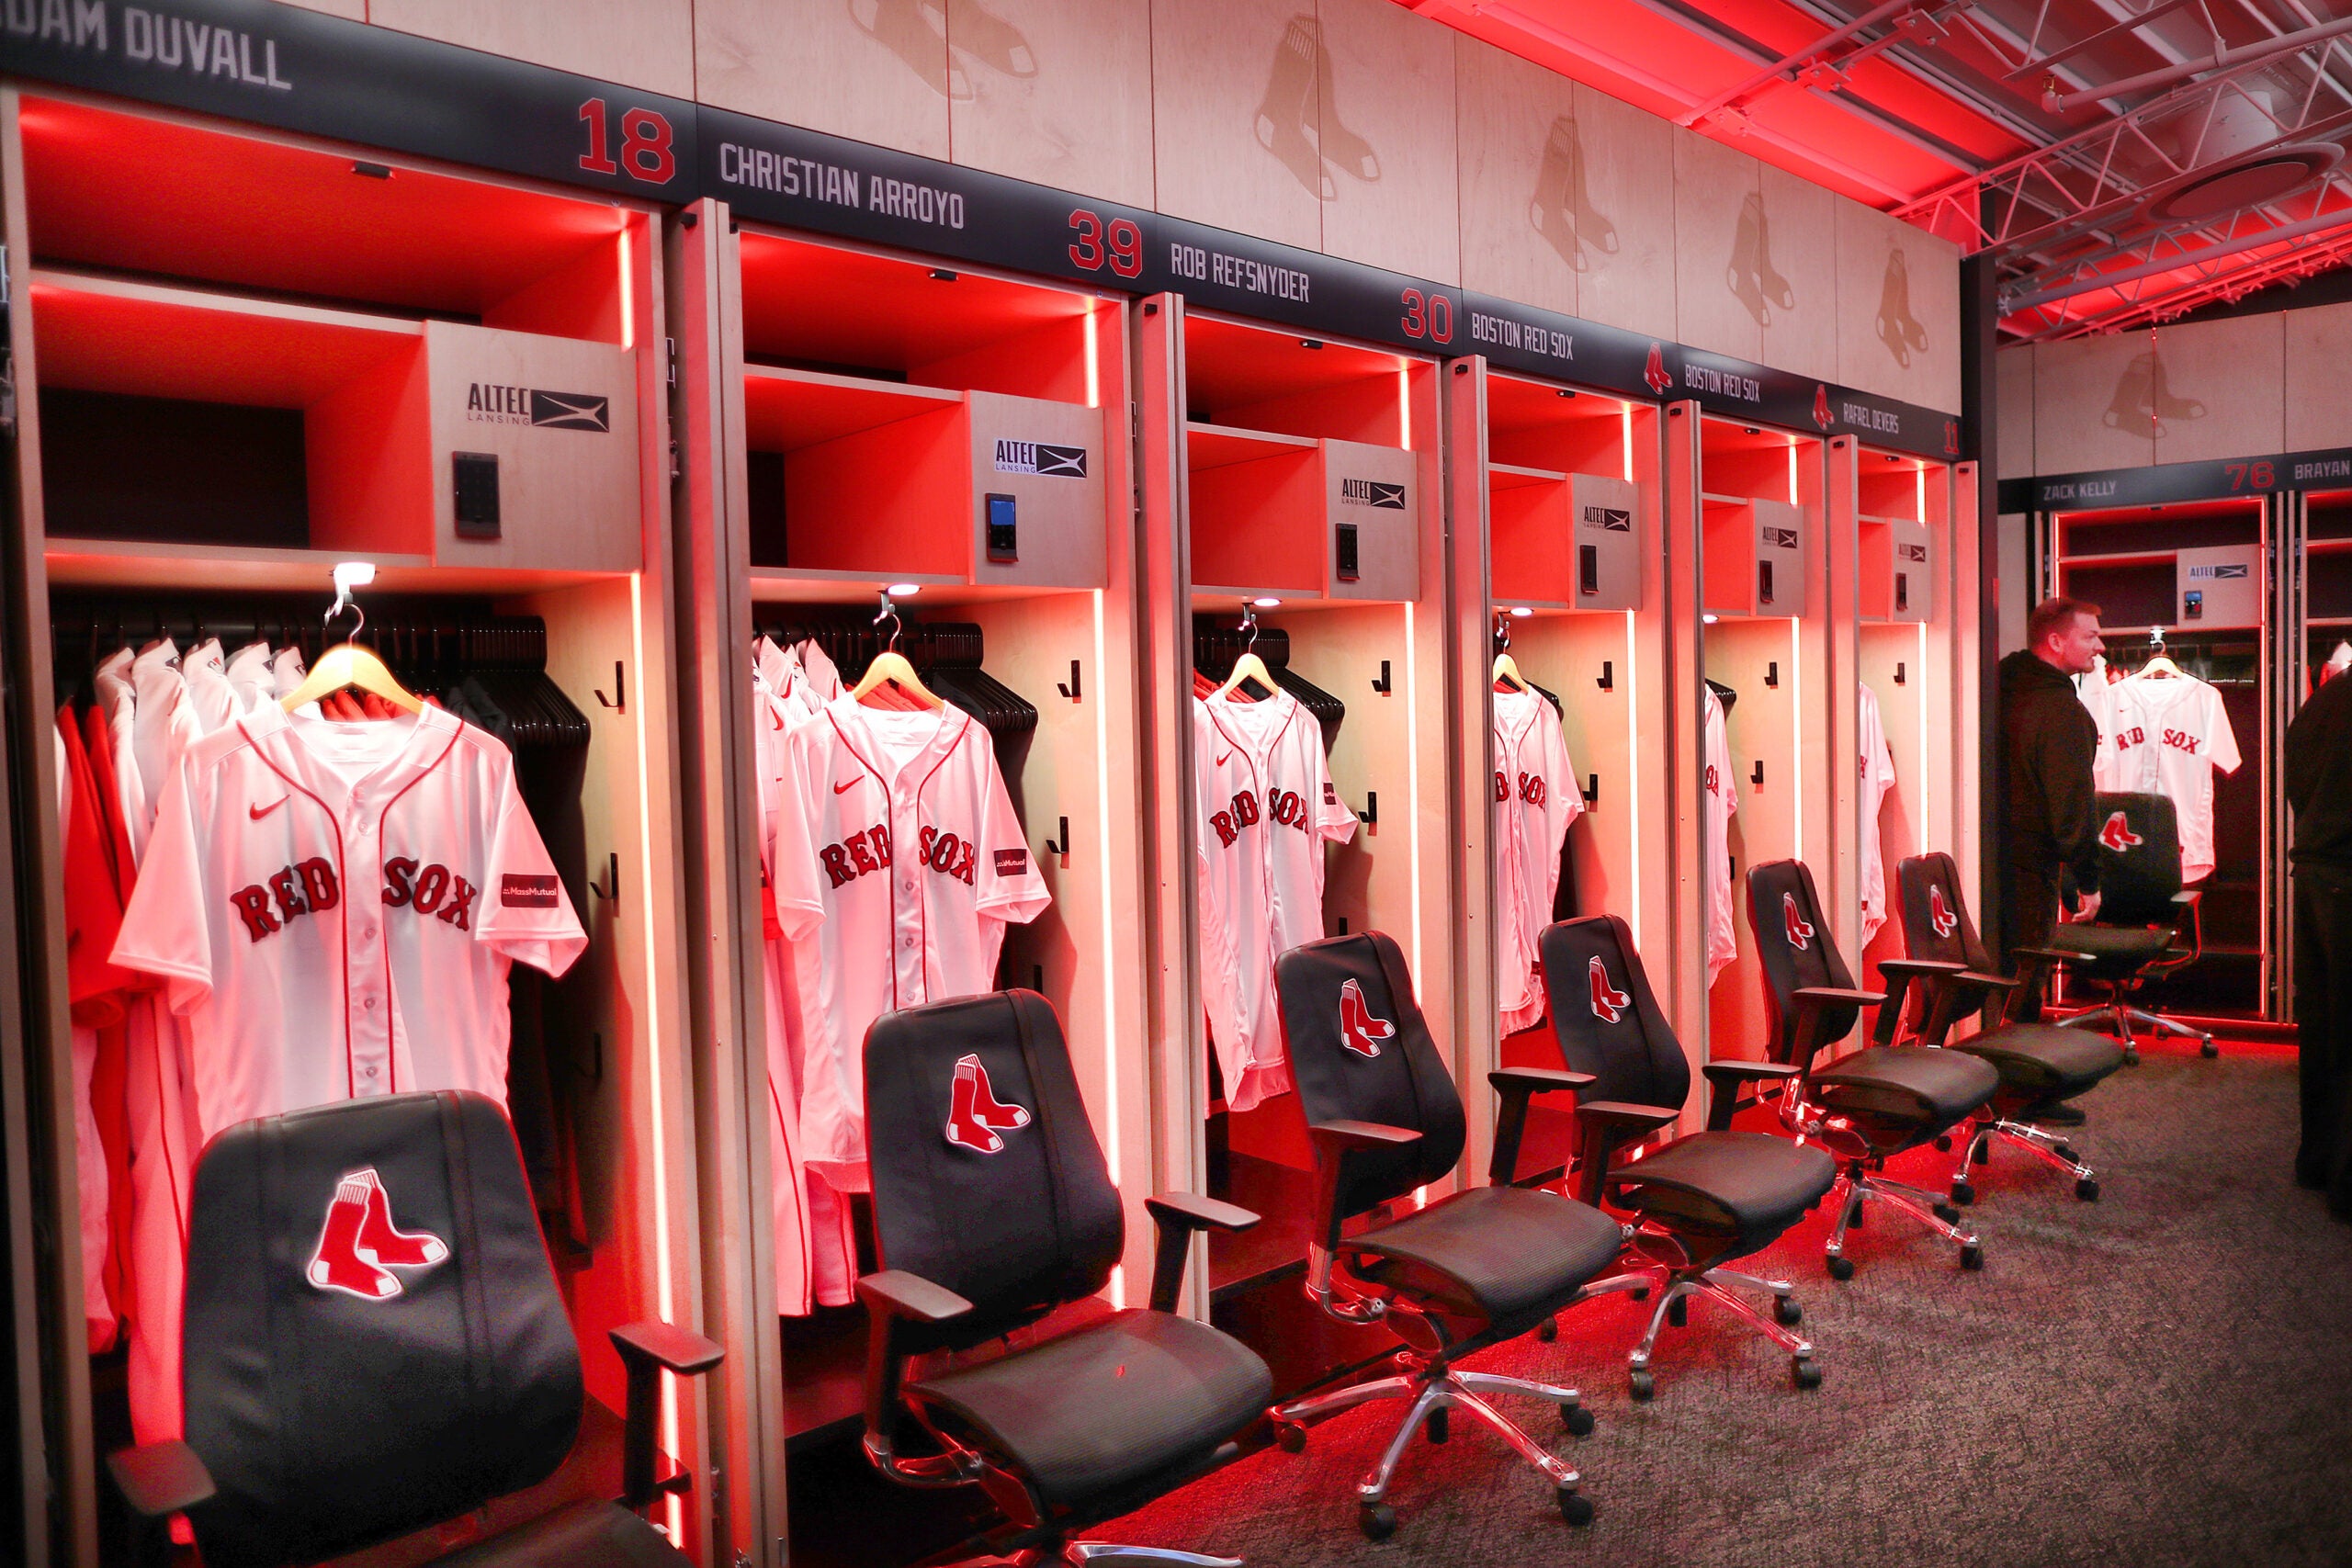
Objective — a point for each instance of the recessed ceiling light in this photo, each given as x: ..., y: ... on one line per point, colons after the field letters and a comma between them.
x: 942, y: 274
x: 1265, y: 602
x: 1310, y: 343
x: 1522, y: 612
x: 1709, y: 619
x: 1753, y: 431
x: 903, y: 589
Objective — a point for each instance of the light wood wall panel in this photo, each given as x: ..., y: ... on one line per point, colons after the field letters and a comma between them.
x: 2013, y: 410
x: 1525, y: 235
x: 873, y: 70
x: 2084, y: 405
x: 350, y: 10
x: 1898, y: 309
x: 1722, y: 300
x: 1057, y: 91
x: 1629, y: 188
x: 1801, y: 245
x: 2317, y: 377
x: 639, y: 43
x: 1387, y: 126
x: 2217, y: 389
x: 1236, y: 116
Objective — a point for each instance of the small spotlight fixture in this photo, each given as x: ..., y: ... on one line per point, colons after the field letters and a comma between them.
x: 1265, y: 602
x: 1709, y: 619
x: 1310, y: 343
x: 1521, y: 612
x: 943, y: 275
x: 903, y: 589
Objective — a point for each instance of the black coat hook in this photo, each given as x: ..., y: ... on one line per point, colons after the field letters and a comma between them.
x: 1608, y: 681
x: 1772, y: 674
x: 1756, y: 776
x: 1898, y: 674
x: 618, y: 701
x: 611, y: 893
x: 1073, y: 689
x: 1062, y: 848
x: 1384, y: 685
x: 1591, y: 789
x: 1370, y: 815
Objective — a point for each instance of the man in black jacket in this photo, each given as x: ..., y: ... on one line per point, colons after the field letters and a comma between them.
x: 2319, y: 786
x: 2049, y: 747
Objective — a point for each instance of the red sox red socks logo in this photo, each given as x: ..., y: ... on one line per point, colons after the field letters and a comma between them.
x: 1359, y: 1030
x: 974, y: 1115
x: 358, y: 1246
x: 1653, y: 371
x: 1798, y: 928
x: 1940, y: 914
x: 1609, y: 1003
x: 2118, y: 834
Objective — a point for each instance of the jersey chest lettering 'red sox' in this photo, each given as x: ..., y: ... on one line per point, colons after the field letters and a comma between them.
x: 300, y: 989
x: 2167, y: 736
x: 897, y: 864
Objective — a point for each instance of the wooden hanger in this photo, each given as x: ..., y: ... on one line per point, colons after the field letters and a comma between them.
x: 1507, y: 672
x: 891, y: 666
x: 1248, y: 667
x: 348, y: 664
x: 2159, y: 666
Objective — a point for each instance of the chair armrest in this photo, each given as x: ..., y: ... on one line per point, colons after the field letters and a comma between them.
x: 648, y: 1349
x: 1519, y: 1085
x: 1177, y: 1216
x: 1345, y: 1137
x: 2052, y: 954
x: 158, y: 1480
x: 1831, y: 996
x: 1602, y: 1127
x: 2188, y: 898
x: 1933, y: 977
x: 896, y: 1300
x: 1727, y: 1075
x: 1623, y: 1114
x: 895, y: 1293
x: 1909, y: 967
x: 1983, y: 982
x: 1333, y: 1142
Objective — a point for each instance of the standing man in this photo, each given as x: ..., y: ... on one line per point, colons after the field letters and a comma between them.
x: 2049, y: 746
x: 2319, y: 788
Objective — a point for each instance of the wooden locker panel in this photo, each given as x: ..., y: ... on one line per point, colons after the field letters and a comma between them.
x: 1798, y: 247
x: 1898, y: 309
x: 884, y: 80
x: 2317, y: 376
x: 1059, y: 92
x: 1526, y: 229
x: 2087, y: 396
x: 1387, y: 112
x: 1049, y: 459
x: 1628, y: 207
x: 560, y: 417
x: 639, y: 43
x: 1375, y: 490
x: 2217, y: 388
x: 1236, y: 116
x: 1722, y: 299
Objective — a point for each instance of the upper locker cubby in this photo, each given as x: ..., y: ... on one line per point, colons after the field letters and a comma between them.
x: 1898, y: 520
x: 1302, y: 476
x: 910, y: 421
x: 1758, y: 537
x: 1564, y: 505
x: 284, y: 348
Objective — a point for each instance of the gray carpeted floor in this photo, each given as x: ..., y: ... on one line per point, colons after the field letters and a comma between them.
x: 2164, y: 1377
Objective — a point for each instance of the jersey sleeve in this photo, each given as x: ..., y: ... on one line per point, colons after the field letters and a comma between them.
x: 164, y: 928
x: 1560, y: 772
x: 795, y: 885
x: 526, y: 914
x: 2224, y: 750
x: 1334, y: 818
x: 1011, y: 888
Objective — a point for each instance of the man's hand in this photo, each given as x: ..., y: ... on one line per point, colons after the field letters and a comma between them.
x: 2086, y: 907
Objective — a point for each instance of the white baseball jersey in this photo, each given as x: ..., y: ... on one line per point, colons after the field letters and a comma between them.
x: 334, y: 908
x: 1266, y: 806
x: 165, y: 721
x: 286, y: 670
x: 205, y: 669
x: 897, y: 864
x: 112, y: 683
x: 250, y: 677
x: 1535, y: 799
x: 2165, y: 735
x: 89, y: 1154
x: 1715, y: 848
x: 1878, y: 779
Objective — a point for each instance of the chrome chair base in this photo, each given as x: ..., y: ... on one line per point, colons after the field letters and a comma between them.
x: 2043, y: 1143
x: 1434, y: 1389
x: 1860, y: 1187
x: 2118, y: 1018
x: 1679, y: 1284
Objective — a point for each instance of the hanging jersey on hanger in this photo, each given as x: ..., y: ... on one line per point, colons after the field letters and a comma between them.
x: 2166, y: 735
x: 1535, y: 800
x: 1878, y: 780
x: 1723, y: 799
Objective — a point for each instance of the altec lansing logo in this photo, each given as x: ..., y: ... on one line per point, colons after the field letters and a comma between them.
x: 1039, y: 458
x: 1614, y: 519
x: 1371, y: 492
x: 1913, y: 552
x: 491, y: 403
x: 2212, y: 573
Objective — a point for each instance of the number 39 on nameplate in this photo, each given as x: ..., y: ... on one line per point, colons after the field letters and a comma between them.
x: 1095, y: 244
x: 645, y: 153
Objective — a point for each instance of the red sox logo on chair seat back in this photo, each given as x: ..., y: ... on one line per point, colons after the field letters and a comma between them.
x: 2118, y: 834
x: 1359, y: 1030
x: 358, y: 1246
x: 1798, y: 928
x: 974, y: 1115
x: 1609, y: 1003
x: 1940, y: 911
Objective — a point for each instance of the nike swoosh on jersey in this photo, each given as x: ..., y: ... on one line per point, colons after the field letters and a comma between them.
x: 843, y: 788
x: 1224, y: 759
x: 258, y: 812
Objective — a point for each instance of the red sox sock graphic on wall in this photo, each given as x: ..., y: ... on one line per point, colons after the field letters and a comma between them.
x: 1609, y: 1003
x: 974, y: 1115
x: 359, y: 1245
x: 1799, y: 929
x: 1359, y: 1030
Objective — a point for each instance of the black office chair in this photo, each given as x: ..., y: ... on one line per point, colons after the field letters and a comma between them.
x: 2041, y: 1065
x: 1875, y: 1103
x: 992, y: 1207
x: 2147, y: 927
x: 1471, y: 1270
x: 373, y: 1343
x: 1711, y: 1196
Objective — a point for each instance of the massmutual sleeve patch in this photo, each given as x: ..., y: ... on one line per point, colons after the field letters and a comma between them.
x: 523, y: 890
x: 1331, y: 794
x: 1011, y: 862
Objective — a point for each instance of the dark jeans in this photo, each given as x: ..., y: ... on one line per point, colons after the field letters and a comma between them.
x: 2029, y: 919
x: 2323, y: 1016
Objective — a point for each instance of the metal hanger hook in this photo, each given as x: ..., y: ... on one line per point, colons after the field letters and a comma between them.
x: 360, y: 616
x: 1250, y: 624
x: 889, y: 612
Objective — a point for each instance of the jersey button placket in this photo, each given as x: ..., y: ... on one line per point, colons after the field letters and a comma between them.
x: 906, y: 864
x: 364, y: 952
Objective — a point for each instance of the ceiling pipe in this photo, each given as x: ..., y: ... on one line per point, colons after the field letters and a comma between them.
x: 2246, y: 54
x: 2325, y: 221
x: 1782, y: 69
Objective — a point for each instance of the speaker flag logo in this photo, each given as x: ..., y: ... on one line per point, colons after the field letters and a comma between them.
x: 1359, y: 1030
x: 1609, y: 1003
x: 975, y: 1116
x: 2118, y: 834
x: 358, y: 1246
x: 1798, y: 928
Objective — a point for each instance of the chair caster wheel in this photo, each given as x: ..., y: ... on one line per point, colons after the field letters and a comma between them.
x: 1804, y: 1372
x: 1677, y: 1311
x: 1575, y: 1507
x: 1841, y: 1268
x: 1578, y: 1420
x: 1981, y: 1155
x: 1434, y: 1425
x: 1643, y: 1386
x: 1963, y: 1193
x: 1943, y: 1144
x: 1548, y: 1330
x: 1290, y: 1437
x: 1945, y: 1213
x: 1972, y: 1257
x: 2087, y: 1189
x: 1786, y: 1312
x: 2066, y: 1152
x: 2131, y: 1055
x: 1856, y: 1215
x: 1378, y: 1520
x: 2208, y: 1050
x: 1641, y: 1294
